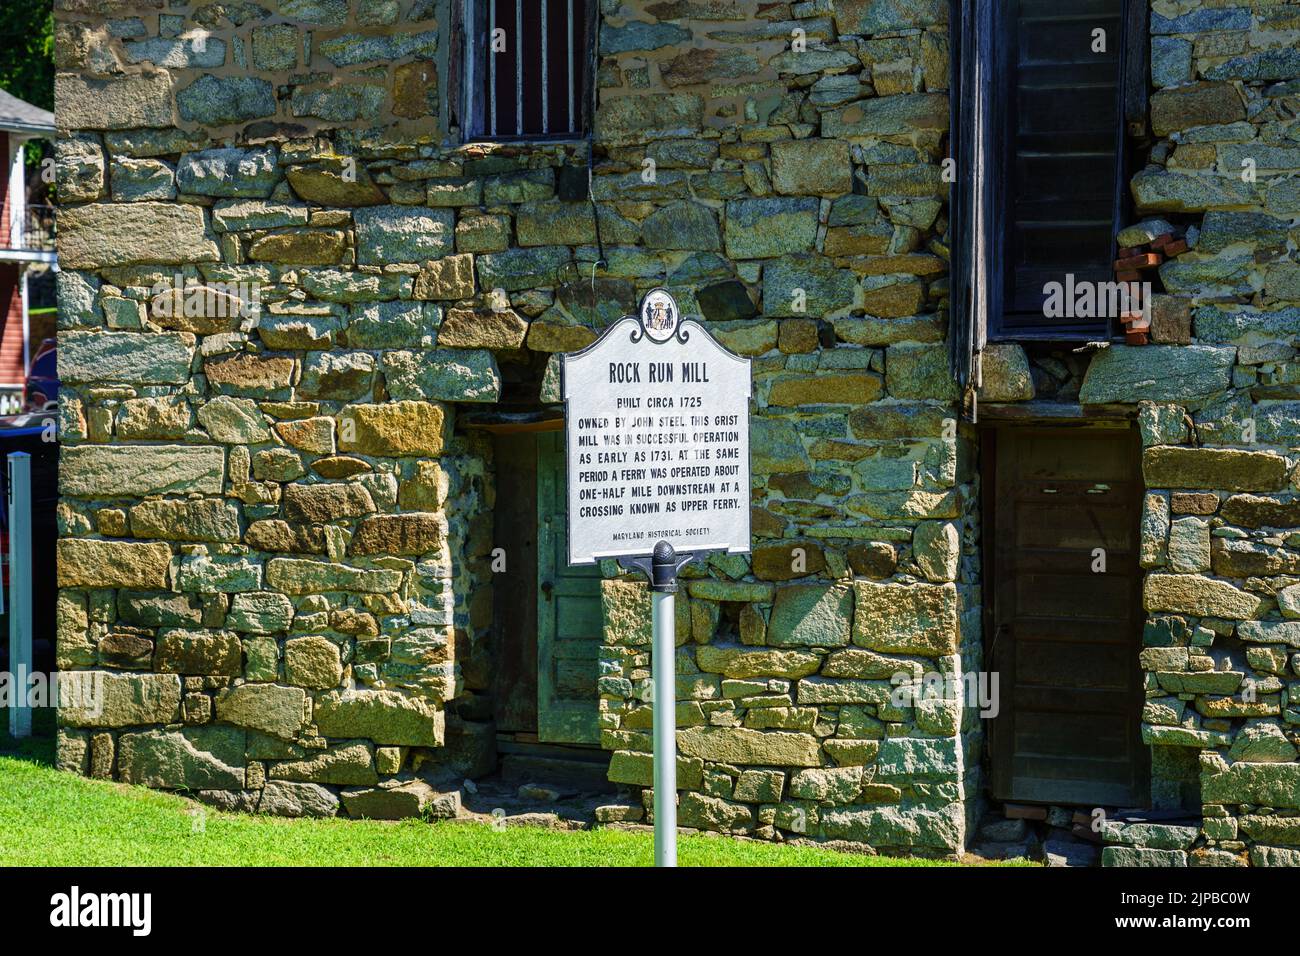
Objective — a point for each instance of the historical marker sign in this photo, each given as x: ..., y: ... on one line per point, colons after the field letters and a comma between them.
x: 657, y: 438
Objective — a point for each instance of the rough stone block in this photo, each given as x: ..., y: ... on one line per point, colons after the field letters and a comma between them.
x: 209, y: 519
x: 823, y: 388
x: 1161, y: 373
x: 282, y: 798
x: 349, y: 763
x: 905, y: 113
x: 741, y: 663
x: 448, y: 278
x: 267, y: 708
x: 196, y: 758
x: 260, y: 376
x: 1159, y: 190
x: 822, y: 690
x: 906, y: 619
x: 387, y: 234
x: 1201, y: 596
x: 1263, y: 784
x: 260, y: 612
x: 413, y: 534
x: 228, y: 172
x: 100, y: 235
x: 1189, y: 545
x: 765, y: 228
x: 218, y: 100
x: 130, y: 358
x: 811, y: 167
x: 740, y: 746
x: 811, y: 615
x: 898, y: 826
x: 312, y: 662
x: 207, y: 653
x: 406, y: 428
x: 449, y: 375
x: 333, y: 182
x: 713, y: 813
x: 327, y: 501
x: 384, y: 716
x: 627, y: 120
x: 920, y: 371
x: 886, y: 16
x: 1140, y: 856
x: 109, y: 699
x: 119, y: 103
x: 300, y: 576
x: 936, y: 548
x: 1006, y: 374
x: 337, y: 375
x: 212, y: 574
x: 413, y: 799
x: 1214, y: 468
x: 1200, y: 104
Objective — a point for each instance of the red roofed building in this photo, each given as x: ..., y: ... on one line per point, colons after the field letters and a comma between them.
x: 26, y: 234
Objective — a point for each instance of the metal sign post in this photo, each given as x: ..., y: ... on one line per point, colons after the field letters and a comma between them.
x: 661, y: 571
x: 20, y: 589
x: 657, y: 464
x: 663, y: 616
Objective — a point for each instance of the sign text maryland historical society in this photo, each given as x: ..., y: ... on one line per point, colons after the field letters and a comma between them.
x: 657, y: 438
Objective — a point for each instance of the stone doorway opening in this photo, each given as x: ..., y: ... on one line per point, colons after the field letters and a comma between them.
x: 546, y: 619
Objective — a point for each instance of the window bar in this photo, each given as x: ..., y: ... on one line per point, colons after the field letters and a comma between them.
x: 492, y: 61
x: 573, y: 124
x: 467, y: 99
x: 546, y: 75
x: 519, y: 67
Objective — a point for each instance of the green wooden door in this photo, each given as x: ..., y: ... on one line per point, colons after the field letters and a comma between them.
x: 568, y: 614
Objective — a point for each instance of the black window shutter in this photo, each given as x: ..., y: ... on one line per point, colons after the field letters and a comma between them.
x: 971, y: 203
x: 1030, y: 203
x: 1135, y: 59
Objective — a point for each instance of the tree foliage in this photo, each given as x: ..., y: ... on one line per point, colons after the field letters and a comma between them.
x: 27, y: 50
x: 27, y: 70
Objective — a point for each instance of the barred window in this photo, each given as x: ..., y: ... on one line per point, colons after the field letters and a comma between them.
x: 527, y: 68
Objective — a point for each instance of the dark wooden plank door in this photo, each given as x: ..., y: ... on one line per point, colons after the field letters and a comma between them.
x: 514, y: 592
x: 569, y: 624
x: 1065, y: 635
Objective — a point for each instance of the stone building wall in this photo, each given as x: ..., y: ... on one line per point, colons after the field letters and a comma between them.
x: 246, y: 495
x: 275, y: 536
x: 272, y: 540
x: 1220, y: 424
x: 810, y: 198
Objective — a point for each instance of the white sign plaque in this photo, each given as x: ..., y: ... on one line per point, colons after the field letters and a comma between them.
x: 656, y: 438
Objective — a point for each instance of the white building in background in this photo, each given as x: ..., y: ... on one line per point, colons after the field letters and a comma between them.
x: 26, y: 242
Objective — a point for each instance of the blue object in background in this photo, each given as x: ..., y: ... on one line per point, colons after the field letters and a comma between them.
x: 42, y: 388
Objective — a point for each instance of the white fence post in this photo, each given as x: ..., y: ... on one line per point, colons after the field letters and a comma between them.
x: 20, y: 590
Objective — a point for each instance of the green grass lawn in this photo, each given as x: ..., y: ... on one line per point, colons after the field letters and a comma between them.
x: 48, y: 818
